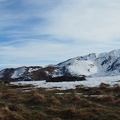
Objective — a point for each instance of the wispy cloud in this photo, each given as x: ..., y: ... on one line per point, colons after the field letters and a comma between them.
x: 86, y: 20
x: 73, y: 19
x: 35, y: 32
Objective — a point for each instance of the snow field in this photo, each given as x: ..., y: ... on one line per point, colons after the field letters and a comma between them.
x: 90, y: 82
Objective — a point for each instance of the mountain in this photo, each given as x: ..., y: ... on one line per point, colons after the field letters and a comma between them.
x: 91, y: 65
x: 27, y: 73
x: 103, y: 64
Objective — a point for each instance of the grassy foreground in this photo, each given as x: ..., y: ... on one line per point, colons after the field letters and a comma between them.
x: 102, y: 103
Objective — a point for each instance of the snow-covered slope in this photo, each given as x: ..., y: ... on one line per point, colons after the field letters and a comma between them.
x: 103, y: 64
x: 21, y: 73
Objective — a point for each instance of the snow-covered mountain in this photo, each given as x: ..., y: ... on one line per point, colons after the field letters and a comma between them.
x: 103, y: 64
x: 19, y: 73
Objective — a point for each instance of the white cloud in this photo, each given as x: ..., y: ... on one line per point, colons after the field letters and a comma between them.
x: 32, y: 50
x: 85, y: 20
x: 68, y: 19
x: 39, y: 52
x: 81, y: 26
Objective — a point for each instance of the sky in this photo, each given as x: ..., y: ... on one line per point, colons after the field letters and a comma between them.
x: 43, y: 32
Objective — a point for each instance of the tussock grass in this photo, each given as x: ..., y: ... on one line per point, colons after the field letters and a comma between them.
x: 103, y: 99
x: 56, y: 119
x: 83, y: 103
x: 37, y: 98
x: 7, y: 114
x: 54, y: 100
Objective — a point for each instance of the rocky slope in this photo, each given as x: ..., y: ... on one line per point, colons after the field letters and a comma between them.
x: 103, y: 64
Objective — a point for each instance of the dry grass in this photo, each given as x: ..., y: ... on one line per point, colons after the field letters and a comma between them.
x: 7, y: 114
x: 36, y: 98
x: 102, y: 103
x: 54, y: 100
x: 103, y: 99
x: 56, y: 119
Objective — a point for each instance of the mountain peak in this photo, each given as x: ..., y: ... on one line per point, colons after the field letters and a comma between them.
x: 93, y: 64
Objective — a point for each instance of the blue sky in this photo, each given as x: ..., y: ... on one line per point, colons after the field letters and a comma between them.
x: 41, y: 32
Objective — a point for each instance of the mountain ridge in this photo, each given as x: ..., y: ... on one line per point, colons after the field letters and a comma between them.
x: 91, y: 65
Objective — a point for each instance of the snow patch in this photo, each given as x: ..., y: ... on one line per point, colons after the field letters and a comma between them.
x: 83, y: 68
x: 33, y: 69
x: 90, y: 82
x: 19, y: 72
x: 2, y: 73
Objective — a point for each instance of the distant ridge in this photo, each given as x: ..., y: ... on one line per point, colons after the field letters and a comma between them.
x: 91, y: 65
